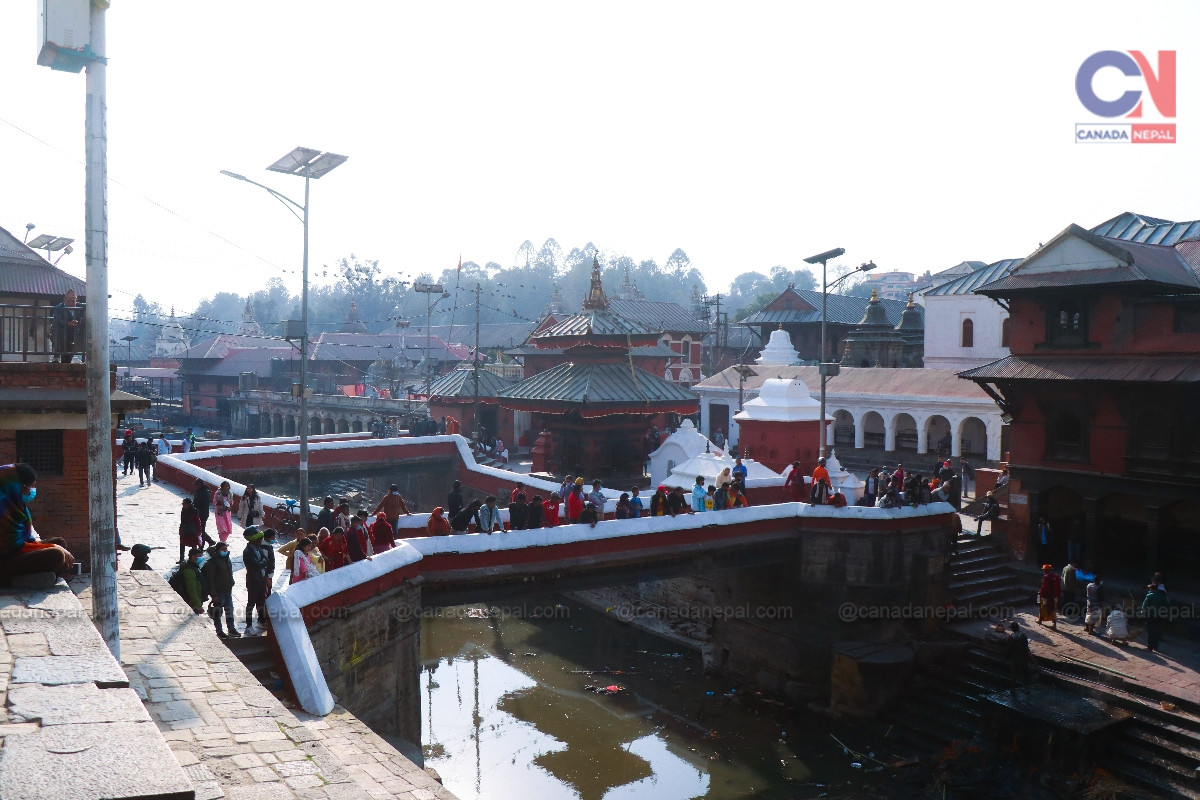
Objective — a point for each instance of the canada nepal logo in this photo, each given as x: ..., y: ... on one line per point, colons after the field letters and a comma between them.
x: 1159, y: 83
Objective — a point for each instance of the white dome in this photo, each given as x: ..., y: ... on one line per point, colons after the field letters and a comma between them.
x: 782, y: 399
x: 779, y: 350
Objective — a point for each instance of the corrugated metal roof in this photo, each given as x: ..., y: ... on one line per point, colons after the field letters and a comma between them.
x: 492, y: 335
x: 339, y: 346
x: 1130, y: 369
x: 597, y: 384
x: 219, y: 346
x: 866, y: 381
x: 1133, y: 227
x: 460, y: 383
x: 23, y: 271
x: 658, y: 349
x: 239, y: 360
x: 968, y: 283
x: 1138, y: 264
x: 659, y: 316
x: 842, y: 309
x: 595, y: 323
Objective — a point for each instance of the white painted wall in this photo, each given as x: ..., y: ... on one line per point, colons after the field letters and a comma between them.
x: 943, y: 331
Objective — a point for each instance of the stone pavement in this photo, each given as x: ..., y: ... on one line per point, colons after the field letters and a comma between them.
x: 232, y: 736
x: 70, y: 727
x: 150, y: 515
x: 1173, y: 671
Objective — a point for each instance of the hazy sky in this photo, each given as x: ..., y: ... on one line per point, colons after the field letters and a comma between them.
x: 916, y: 134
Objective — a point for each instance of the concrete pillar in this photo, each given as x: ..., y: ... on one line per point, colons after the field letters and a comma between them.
x: 860, y: 430
x: 705, y: 417
x: 923, y: 436
x: 889, y: 435
x: 955, y: 436
x: 993, y: 442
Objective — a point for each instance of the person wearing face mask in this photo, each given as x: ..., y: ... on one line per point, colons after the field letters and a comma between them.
x: 218, y: 574
x: 392, y: 505
x: 24, y: 560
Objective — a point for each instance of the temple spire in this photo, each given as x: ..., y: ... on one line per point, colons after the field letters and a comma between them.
x: 596, y: 299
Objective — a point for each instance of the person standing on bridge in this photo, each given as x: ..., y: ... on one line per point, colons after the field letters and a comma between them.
x: 251, y: 510
x: 699, y: 494
x: 575, y: 502
x: 218, y: 575
x: 222, y: 505
x: 794, y: 483
x: 454, y: 500
x: 383, y: 534
x: 325, y: 519
x: 259, y: 561
x: 334, y: 550
x: 658, y: 502
x: 550, y: 510
x: 821, y: 485
x: 635, y: 503
x: 358, y: 538
x: 487, y: 517
x: 392, y: 505
x: 535, y: 514
x: 597, y: 498
x: 437, y: 525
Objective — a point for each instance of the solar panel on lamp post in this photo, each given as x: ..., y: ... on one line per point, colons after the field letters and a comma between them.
x: 311, y: 164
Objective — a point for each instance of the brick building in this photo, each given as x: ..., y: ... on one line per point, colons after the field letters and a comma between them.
x: 1103, y: 389
x: 43, y: 402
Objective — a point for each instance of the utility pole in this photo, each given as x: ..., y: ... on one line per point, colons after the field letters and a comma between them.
x: 712, y: 354
x: 475, y: 408
x: 102, y: 511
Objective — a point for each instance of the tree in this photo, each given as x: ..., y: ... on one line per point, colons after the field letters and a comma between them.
x: 549, y: 257
x: 525, y: 255
x: 678, y: 263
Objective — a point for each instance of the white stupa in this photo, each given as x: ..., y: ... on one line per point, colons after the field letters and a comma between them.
x: 684, y: 444
x: 779, y: 350
x: 710, y: 465
x: 782, y: 400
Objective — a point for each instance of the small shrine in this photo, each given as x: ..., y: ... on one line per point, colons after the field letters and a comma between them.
x: 874, y: 342
x: 779, y: 350
x: 593, y: 408
x: 781, y: 425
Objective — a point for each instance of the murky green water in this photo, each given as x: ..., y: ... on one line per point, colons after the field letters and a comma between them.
x: 507, y: 713
x: 423, y: 486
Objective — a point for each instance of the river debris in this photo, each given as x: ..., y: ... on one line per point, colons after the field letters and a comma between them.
x: 605, y: 671
x: 478, y: 613
x: 659, y: 655
x: 610, y: 689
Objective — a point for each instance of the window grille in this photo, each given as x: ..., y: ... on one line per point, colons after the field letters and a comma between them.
x: 42, y: 450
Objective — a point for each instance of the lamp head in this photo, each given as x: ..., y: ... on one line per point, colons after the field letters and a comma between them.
x: 828, y: 255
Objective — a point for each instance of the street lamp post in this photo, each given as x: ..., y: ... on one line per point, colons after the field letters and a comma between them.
x: 824, y: 368
x: 312, y: 164
x: 429, y: 290
x: 128, y: 340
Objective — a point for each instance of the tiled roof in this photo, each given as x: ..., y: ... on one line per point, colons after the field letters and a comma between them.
x: 239, y: 360
x: 968, y: 283
x: 866, y: 381
x: 588, y: 385
x: 219, y: 346
x: 492, y: 335
x: 1132, y: 227
x: 1138, y: 264
x: 659, y: 316
x: 23, y: 271
x: 842, y: 309
x: 594, y: 323
x: 657, y: 349
x: 371, y: 346
x: 460, y: 384
x: 1133, y: 369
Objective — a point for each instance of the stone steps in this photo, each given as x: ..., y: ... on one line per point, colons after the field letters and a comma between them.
x: 70, y: 726
x: 982, y: 577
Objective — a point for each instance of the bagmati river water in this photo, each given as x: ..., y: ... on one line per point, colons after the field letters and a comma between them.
x: 508, y: 712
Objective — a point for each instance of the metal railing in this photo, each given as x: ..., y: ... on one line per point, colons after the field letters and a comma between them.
x: 41, y: 333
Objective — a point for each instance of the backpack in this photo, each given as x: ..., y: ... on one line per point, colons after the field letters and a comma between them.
x: 177, y: 583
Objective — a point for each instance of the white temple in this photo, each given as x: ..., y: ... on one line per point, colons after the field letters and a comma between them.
x: 779, y: 350
x: 684, y: 444
x: 172, y: 341
x: 710, y: 465
x: 782, y: 400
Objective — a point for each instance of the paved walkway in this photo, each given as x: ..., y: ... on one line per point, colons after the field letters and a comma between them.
x: 233, y: 737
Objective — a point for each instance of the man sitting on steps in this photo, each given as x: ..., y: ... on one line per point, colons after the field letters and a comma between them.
x: 991, y: 511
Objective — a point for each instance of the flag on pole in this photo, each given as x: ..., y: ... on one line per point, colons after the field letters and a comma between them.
x: 460, y: 264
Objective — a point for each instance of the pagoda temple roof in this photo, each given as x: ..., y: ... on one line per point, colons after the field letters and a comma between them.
x: 598, y: 389
x: 596, y: 324
x: 458, y: 386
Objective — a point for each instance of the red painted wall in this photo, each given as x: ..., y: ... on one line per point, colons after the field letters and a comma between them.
x: 778, y: 444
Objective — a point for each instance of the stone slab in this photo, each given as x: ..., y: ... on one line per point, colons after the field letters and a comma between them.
x: 58, y: 670
x: 75, y: 703
x: 67, y: 634
x: 91, y: 762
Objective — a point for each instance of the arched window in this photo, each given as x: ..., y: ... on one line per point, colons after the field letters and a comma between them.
x: 1004, y: 333
x: 968, y: 333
